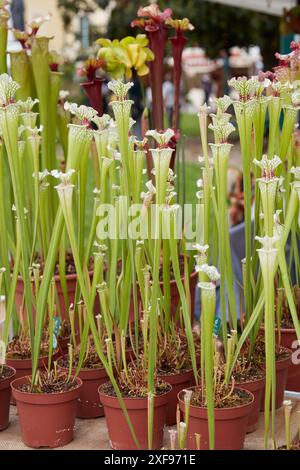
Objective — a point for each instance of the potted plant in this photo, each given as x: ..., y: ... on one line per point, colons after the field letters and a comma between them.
x: 218, y: 410
x: 7, y: 373
x: 50, y: 404
x: 272, y: 204
x: 174, y: 365
x: 92, y: 373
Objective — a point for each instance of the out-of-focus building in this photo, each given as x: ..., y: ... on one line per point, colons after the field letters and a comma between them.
x: 78, y: 35
x: 54, y: 27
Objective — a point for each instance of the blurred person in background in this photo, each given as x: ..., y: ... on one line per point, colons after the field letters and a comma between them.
x: 17, y: 12
x: 207, y: 86
x: 168, y: 95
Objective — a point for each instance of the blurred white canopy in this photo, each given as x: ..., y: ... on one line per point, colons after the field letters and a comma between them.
x: 272, y: 7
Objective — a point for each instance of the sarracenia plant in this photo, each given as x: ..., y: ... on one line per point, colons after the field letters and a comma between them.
x: 208, y: 305
x: 244, y: 109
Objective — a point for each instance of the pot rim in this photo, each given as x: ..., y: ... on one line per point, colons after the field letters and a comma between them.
x: 218, y: 409
x: 133, y: 399
x: 69, y: 277
x: 186, y: 372
x: 283, y: 330
x: 41, y: 358
x: 20, y: 360
x: 83, y: 369
x: 5, y: 383
x: 41, y: 395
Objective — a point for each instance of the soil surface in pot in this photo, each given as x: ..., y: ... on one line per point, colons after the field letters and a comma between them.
x: 259, y: 357
x: 70, y: 264
x: 281, y: 353
x: 160, y: 389
x: 20, y: 347
x: 245, y: 372
x: 134, y: 385
x: 6, y: 372
x: 49, y: 382
x: 223, y: 398
x: 91, y: 360
x: 173, y: 354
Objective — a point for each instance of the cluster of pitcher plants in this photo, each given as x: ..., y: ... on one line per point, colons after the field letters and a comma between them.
x: 98, y: 277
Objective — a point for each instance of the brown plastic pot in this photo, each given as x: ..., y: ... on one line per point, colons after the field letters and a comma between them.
x: 288, y: 339
x: 178, y: 382
x: 120, y: 437
x: 23, y: 367
x: 71, y: 280
x: 230, y: 425
x: 282, y: 367
x: 46, y: 420
x: 89, y: 405
x: 5, y: 398
x: 256, y: 387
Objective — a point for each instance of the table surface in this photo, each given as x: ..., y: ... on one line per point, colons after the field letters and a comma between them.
x: 91, y: 434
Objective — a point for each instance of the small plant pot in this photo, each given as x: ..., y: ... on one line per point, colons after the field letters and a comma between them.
x: 89, y: 405
x: 5, y: 398
x: 46, y: 420
x: 230, y: 425
x: 288, y: 339
x: 256, y: 387
x: 120, y: 437
x: 23, y: 367
x: 178, y: 382
x: 282, y: 367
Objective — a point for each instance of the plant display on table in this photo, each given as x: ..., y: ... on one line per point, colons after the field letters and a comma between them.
x: 97, y: 286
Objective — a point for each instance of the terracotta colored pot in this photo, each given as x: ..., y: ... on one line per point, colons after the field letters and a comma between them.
x: 230, y: 425
x: 71, y: 280
x: 5, y: 399
x: 46, y: 420
x: 289, y: 340
x: 256, y: 387
x: 89, y: 405
x: 175, y: 297
x: 23, y: 367
x: 120, y: 437
x: 282, y: 368
x: 178, y: 382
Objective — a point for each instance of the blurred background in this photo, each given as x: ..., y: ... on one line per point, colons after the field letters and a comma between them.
x: 231, y: 38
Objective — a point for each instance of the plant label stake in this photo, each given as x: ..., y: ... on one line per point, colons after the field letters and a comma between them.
x: 217, y: 326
